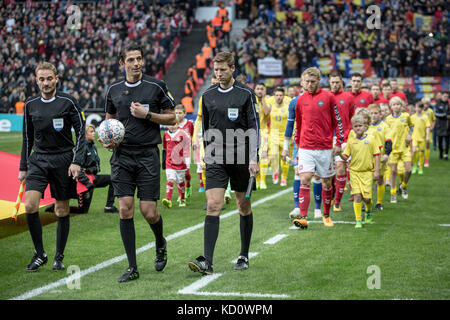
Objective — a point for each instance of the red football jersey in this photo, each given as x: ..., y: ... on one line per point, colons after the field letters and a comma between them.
x: 177, y: 145
x: 317, y: 118
x: 362, y: 99
x: 400, y: 94
x: 381, y: 99
x: 346, y: 108
x: 188, y: 126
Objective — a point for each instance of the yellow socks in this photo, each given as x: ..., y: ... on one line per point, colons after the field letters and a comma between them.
x: 380, y: 193
x: 357, y: 207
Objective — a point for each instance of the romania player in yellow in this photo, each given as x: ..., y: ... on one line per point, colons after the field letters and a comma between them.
x: 382, y: 129
x: 263, y: 110
x: 400, y: 130
x: 432, y: 117
x: 279, y: 111
x: 364, y: 166
x: 420, y: 137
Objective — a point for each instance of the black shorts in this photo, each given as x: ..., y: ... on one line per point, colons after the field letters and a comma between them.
x: 44, y: 169
x: 131, y: 168
x: 217, y: 176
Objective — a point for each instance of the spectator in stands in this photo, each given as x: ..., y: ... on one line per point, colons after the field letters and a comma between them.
x: 87, y: 55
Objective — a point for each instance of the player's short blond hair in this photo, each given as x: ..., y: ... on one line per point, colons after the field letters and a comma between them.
x: 396, y: 100
x: 312, y: 71
x: 374, y: 106
x: 365, y: 113
x: 45, y: 66
x: 358, y: 118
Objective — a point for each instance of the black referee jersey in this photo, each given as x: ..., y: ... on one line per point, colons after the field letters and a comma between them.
x: 152, y: 94
x: 230, y: 121
x: 47, y: 127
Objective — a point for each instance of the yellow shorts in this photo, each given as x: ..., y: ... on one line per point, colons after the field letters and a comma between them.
x: 362, y: 183
x: 419, y: 145
x: 396, y: 157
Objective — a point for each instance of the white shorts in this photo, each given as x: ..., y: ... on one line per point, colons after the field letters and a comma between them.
x: 320, y: 162
x: 177, y: 175
x: 338, y: 157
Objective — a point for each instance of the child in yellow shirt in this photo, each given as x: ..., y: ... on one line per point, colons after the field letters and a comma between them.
x: 420, y: 137
x: 364, y: 151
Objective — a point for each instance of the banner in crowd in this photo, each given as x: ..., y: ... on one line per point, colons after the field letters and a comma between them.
x: 301, y: 16
x: 326, y: 65
x: 362, y: 66
x: 423, y: 22
x: 270, y: 67
x: 340, y: 59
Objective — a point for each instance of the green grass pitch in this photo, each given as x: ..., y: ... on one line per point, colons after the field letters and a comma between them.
x: 404, y: 254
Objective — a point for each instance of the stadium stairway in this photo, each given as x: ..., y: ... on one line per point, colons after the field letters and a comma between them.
x: 190, y: 45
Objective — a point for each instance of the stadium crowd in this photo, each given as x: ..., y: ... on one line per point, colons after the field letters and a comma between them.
x: 399, y: 48
x: 86, y: 54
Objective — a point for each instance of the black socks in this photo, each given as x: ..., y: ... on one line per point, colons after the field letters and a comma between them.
x: 35, y: 227
x: 129, y: 240
x: 246, y: 228
x: 211, y: 232
x: 157, y: 229
x: 62, y: 233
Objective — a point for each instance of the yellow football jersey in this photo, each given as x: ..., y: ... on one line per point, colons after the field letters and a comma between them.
x: 381, y: 129
x: 263, y: 118
x: 278, y: 120
x: 362, y: 152
x: 399, y: 128
x: 421, y: 123
x: 430, y: 113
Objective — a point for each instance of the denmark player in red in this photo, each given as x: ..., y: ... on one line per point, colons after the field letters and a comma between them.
x: 346, y: 107
x: 317, y: 118
x: 176, y: 154
x: 187, y: 126
x: 361, y: 97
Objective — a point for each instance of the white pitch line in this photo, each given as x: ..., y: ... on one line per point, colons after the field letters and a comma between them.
x: 275, y: 239
x: 197, y: 285
x: 38, y: 291
x: 204, y: 281
x: 445, y: 225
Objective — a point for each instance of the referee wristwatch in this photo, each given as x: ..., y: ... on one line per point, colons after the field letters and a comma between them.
x: 149, y: 115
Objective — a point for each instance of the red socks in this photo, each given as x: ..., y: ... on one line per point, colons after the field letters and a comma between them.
x: 327, y: 195
x: 169, y: 190
x: 187, y: 177
x: 340, y: 186
x: 304, y: 197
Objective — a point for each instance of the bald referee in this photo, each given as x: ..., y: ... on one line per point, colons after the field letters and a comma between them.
x: 141, y: 103
x: 55, y: 160
x: 231, y: 139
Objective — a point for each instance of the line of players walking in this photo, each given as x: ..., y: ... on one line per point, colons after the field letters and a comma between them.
x: 376, y: 137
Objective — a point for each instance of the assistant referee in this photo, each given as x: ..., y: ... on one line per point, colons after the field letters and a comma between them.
x: 231, y: 139
x: 141, y: 103
x: 47, y: 131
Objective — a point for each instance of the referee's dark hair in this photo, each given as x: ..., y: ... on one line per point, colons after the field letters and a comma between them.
x: 227, y: 57
x: 132, y: 46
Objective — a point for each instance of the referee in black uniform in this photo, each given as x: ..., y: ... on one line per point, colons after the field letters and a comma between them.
x: 231, y: 138
x: 141, y: 103
x: 47, y: 130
